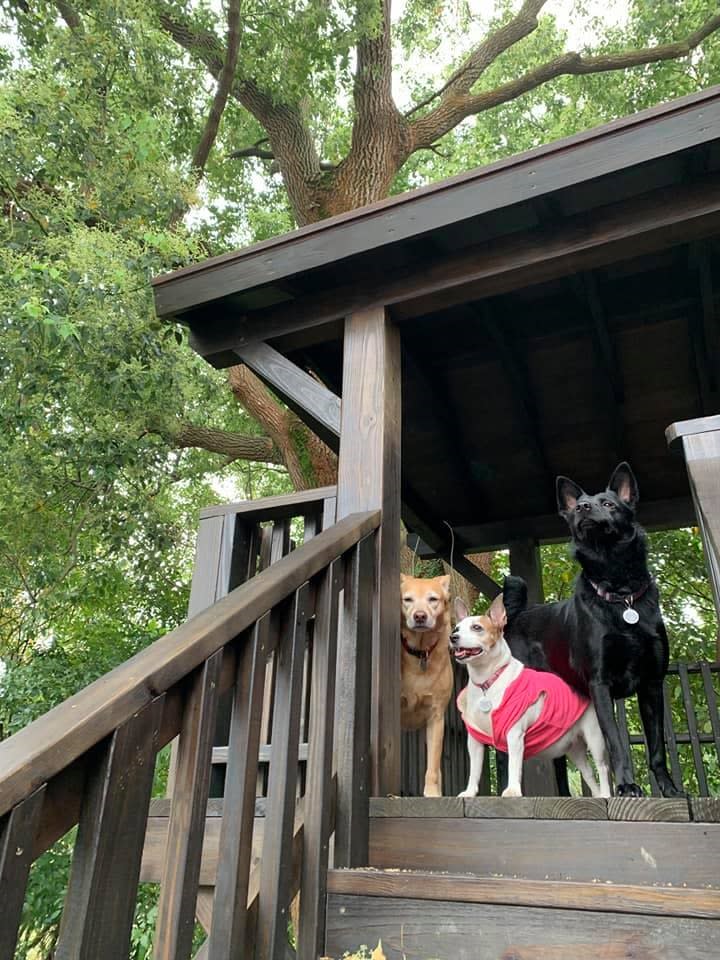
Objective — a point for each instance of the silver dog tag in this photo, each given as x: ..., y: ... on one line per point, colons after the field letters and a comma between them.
x: 630, y: 615
x: 485, y: 705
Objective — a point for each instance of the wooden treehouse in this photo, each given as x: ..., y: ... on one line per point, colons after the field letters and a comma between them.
x: 458, y: 346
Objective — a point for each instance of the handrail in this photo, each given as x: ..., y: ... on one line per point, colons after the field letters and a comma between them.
x: 272, y: 508
x: 51, y: 743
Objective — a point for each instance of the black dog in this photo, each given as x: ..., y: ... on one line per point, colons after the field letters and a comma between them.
x: 609, y: 640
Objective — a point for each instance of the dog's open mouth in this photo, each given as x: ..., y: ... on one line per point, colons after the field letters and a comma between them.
x: 464, y: 653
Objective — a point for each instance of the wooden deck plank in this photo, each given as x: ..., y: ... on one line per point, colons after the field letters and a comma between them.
x: 583, y: 850
x: 421, y: 928
x: 617, y: 898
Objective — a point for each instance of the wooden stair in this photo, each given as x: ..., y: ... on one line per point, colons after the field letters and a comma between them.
x: 533, y: 879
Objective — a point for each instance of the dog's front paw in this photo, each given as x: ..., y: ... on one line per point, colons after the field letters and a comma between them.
x: 629, y: 790
x: 668, y: 788
x: 432, y: 790
x: 512, y: 792
x: 468, y: 793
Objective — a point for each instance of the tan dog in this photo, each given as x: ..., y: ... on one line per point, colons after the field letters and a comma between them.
x: 427, y: 673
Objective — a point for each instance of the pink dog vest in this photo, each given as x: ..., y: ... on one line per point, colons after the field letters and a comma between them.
x: 561, y: 709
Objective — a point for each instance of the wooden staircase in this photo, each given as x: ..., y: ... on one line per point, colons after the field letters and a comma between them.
x: 533, y: 879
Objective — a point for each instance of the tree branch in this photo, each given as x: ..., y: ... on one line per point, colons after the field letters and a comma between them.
x: 225, y: 80
x: 234, y: 446
x: 487, y: 52
x: 453, y: 108
x: 70, y: 16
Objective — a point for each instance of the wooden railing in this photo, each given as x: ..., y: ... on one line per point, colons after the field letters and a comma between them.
x: 91, y: 761
x: 236, y: 541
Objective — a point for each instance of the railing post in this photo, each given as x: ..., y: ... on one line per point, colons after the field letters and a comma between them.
x: 352, y: 737
x: 369, y: 479
x: 699, y: 441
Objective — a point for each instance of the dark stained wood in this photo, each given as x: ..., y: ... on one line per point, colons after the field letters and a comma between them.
x: 712, y: 703
x: 585, y: 850
x: 100, y: 900
x: 656, y: 221
x: 282, y: 507
x: 306, y: 396
x: 528, y: 176
x: 239, y: 806
x: 49, y: 744
x: 275, y: 886
x: 615, y: 898
x: 17, y: 833
x: 352, y: 711
x: 176, y: 909
x: 670, y: 739
x: 386, y: 806
x: 369, y: 478
x: 550, y: 528
x: 318, y: 799
x: 693, y: 729
x: 432, y: 807
x: 421, y: 928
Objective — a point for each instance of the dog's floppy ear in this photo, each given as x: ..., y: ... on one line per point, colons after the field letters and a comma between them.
x: 624, y: 484
x: 461, y: 610
x: 445, y: 585
x: 497, y: 612
x: 567, y: 495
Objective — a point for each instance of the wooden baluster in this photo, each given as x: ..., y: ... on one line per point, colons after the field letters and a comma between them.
x: 670, y: 738
x: 318, y: 801
x: 328, y: 514
x: 276, y: 544
x: 712, y: 705
x: 100, y: 901
x: 352, y: 737
x: 279, y: 820
x: 176, y: 910
x: 228, y: 933
x: 693, y: 730
x: 621, y: 716
x: 17, y: 834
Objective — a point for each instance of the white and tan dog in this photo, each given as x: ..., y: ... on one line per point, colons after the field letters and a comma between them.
x: 427, y: 674
x: 520, y: 710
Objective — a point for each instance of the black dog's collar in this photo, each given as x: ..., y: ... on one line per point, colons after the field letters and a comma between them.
x: 627, y: 598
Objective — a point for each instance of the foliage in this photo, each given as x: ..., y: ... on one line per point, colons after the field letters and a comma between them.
x: 97, y: 127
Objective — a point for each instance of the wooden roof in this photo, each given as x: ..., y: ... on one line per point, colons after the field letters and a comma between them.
x: 557, y: 312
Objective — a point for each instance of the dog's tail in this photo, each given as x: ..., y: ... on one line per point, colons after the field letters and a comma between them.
x: 515, y: 597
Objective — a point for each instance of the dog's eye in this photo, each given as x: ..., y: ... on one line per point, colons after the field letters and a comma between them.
x: 407, y: 599
x: 476, y: 626
x: 433, y: 600
x: 608, y: 503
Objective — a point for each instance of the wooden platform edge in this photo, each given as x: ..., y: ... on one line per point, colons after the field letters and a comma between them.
x: 655, y: 809
x: 557, y: 894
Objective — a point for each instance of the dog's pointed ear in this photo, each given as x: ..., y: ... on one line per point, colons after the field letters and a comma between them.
x: 445, y: 585
x: 461, y: 610
x: 497, y: 612
x: 403, y: 578
x: 623, y: 483
x: 567, y: 495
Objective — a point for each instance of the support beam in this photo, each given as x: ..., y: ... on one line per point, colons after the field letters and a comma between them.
x: 369, y: 478
x: 607, y: 361
x: 700, y: 444
x: 515, y: 371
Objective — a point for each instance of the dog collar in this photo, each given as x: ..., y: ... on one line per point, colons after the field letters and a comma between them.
x: 627, y: 598
x: 423, y: 655
x: 486, y: 684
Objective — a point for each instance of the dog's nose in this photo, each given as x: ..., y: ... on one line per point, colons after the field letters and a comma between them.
x: 420, y: 618
x: 454, y: 636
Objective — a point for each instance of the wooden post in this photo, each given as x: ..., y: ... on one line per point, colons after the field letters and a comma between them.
x: 699, y: 441
x: 539, y: 778
x: 369, y: 478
